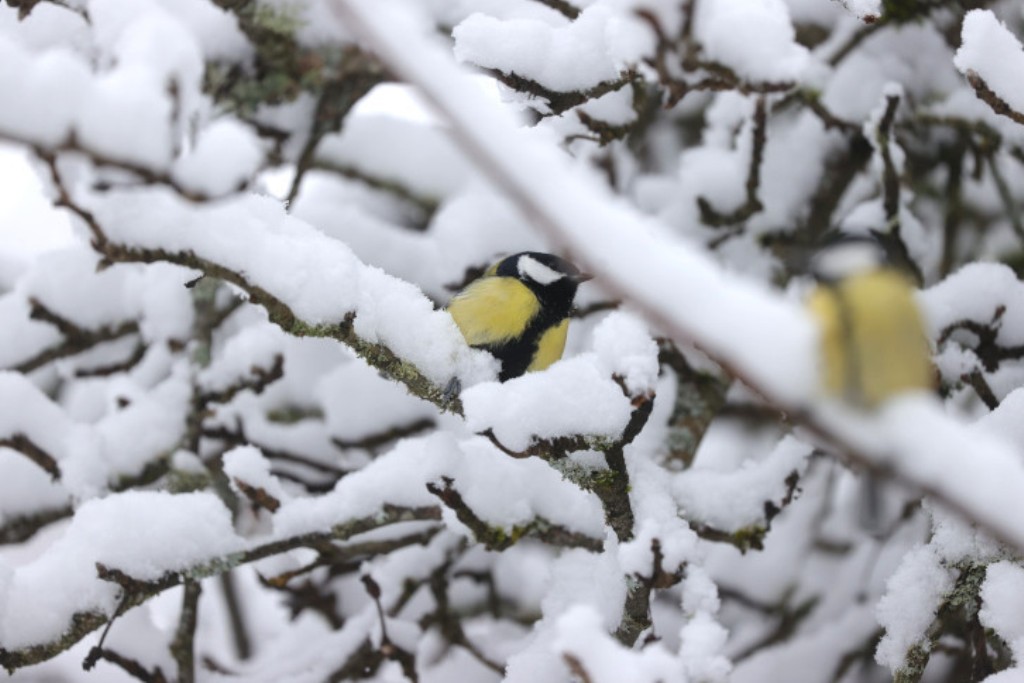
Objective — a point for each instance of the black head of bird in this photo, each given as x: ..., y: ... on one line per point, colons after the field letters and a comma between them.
x: 518, y: 310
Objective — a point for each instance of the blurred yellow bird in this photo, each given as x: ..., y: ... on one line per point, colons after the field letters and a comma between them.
x: 873, y: 341
x: 873, y: 345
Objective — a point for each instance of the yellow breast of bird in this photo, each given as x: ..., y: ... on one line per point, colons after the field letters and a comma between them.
x: 550, y: 346
x: 873, y: 342
x: 492, y: 310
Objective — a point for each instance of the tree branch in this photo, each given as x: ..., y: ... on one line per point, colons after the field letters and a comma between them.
x: 427, y: 206
x: 25, y: 7
x: 987, y: 349
x: 183, y: 645
x: 989, y: 97
x: 27, y: 447
x: 699, y: 399
x: 19, y: 529
x: 376, y: 354
x: 137, y: 591
x: 373, y: 442
x: 751, y: 537
x: 109, y: 369
x: 258, y: 496
x: 76, y: 339
x: 497, y: 538
x: 558, y: 101
x: 890, y: 177
x: 130, y: 666
x: 447, y: 620
x: 636, y: 613
x: 569, y: 10
x: 711, y: 216
x: 671, y: 54
x: 259, y: 379
x: 356, y: 76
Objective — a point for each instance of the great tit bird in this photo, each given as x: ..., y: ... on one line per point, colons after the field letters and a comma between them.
x: 518, y: 310
x: 873, y: 342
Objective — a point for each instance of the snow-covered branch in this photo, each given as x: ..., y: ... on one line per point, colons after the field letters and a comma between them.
x: 134, y: 589
x: 587, y: 221
x: 230, y: 435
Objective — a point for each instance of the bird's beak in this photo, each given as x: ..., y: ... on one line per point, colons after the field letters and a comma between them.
x: 582, y: 277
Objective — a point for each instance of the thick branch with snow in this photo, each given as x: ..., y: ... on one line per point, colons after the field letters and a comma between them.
x: 240, y: 435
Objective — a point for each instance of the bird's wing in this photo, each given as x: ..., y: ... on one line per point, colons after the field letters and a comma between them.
x: 493, y: 310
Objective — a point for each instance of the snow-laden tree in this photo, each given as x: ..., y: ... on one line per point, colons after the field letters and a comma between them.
x: 230, y: 448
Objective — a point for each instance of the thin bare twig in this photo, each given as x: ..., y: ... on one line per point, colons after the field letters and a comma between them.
x: 496, y: 537
x: 711, y: 216
x: 563, y: 6
x: 560, y: 101
x: 989, y: 97
x: 259, y: 379
x: 76, y: 339
x: 27, y: 447
x: 375, y: 441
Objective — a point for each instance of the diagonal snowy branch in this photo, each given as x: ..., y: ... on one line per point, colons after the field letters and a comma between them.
x: 755, y: 334
x: 206, y: 239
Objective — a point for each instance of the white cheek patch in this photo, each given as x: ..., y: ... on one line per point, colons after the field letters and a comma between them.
x: 535, y: 270
x: 844, y: 260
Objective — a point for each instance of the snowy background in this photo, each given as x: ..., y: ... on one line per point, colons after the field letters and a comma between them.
x: 228, y: 227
